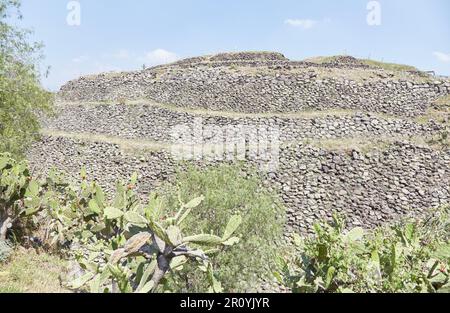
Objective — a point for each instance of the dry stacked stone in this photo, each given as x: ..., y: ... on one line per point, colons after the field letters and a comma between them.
x: 150, y: 122
x: 261, y: 83
x: 369, y: 187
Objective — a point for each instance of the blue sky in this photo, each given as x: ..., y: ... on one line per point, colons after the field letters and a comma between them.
x: 123, y: 35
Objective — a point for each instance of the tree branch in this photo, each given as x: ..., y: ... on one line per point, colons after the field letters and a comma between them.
x: 160, y: 271
x: 4, y: 226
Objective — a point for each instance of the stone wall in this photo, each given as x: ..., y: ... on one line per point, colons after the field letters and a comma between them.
x: 153, y: 122
x: 368, y: 187
x: 316, y: 102
x: 255, y: 85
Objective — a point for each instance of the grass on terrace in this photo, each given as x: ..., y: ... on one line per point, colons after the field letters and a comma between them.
x: 306, y: 114
x: 384, y: 65
x: 137, y: 147
x: 389, y: 66
x: 30, y: 272
x: 366, y: 144
x: 439, y: 112
x: 123, y: 143
x: 444, y: 102
x: 441, y: 117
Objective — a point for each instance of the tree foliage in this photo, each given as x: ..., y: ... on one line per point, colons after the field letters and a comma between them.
x: 22, y: 98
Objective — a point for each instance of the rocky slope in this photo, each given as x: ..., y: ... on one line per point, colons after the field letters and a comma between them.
x: 265, y: 82
x: 354, y: 137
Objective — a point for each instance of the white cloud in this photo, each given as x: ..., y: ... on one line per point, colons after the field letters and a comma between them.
x: 302, y: 23
x: 160, y: 56
x: 441, y: 56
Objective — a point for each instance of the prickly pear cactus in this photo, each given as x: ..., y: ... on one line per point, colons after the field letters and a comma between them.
x: 129, y: 247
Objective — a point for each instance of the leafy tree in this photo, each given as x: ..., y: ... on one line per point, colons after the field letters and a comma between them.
x: 22, y: 98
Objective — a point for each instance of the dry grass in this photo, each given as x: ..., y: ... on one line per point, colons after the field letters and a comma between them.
x: 441, y: 117
x: 30, y: 272
x: 396, y: 71
x: 370, y: 143
x: 443, y: 102
x: 138, y: 147
x: 321, y: 59
x: 110, y: 75
x: 399, y: 70
x: 384, y: 65
x: 363, y: 144
x: 307, y: 114
x: 124, y: 144
x: 135, y: 147
x: 440, y: 112
x: 389, y: 66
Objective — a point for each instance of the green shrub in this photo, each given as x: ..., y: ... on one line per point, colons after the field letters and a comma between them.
x: 227, y: 191
x: 410, y: 256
